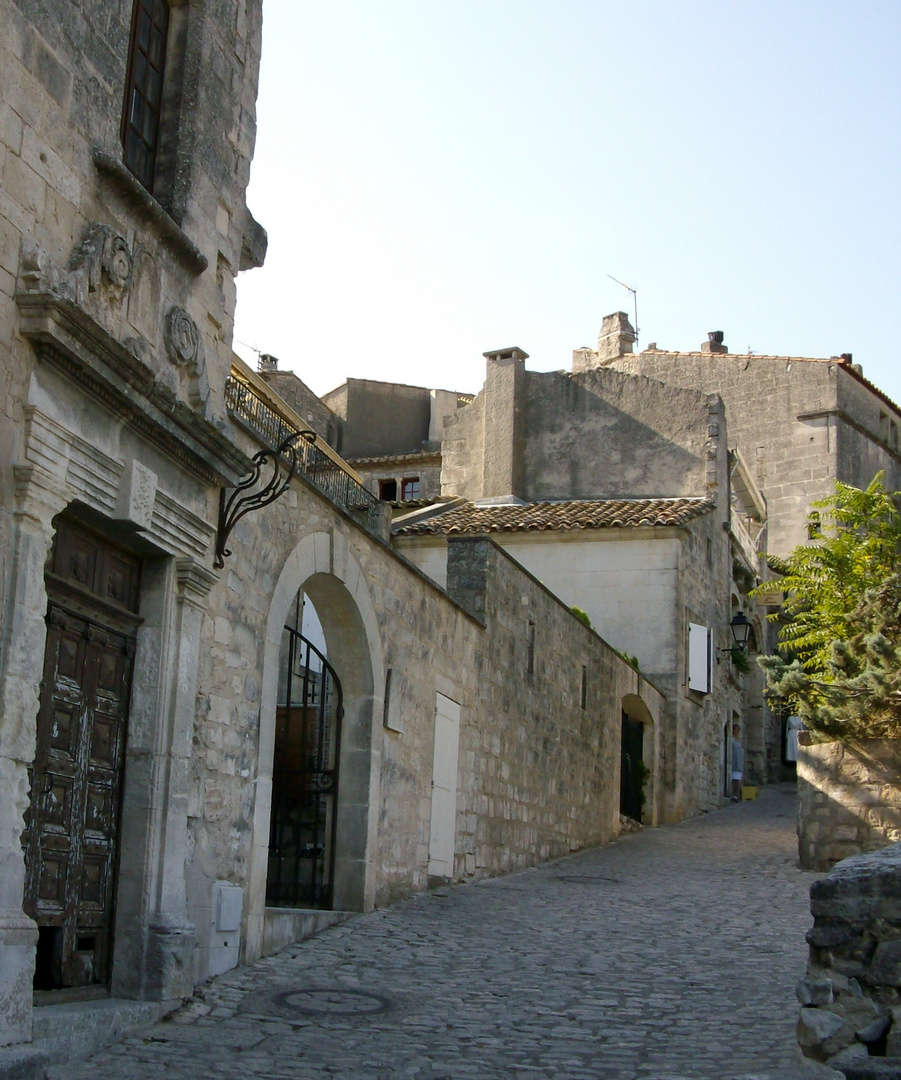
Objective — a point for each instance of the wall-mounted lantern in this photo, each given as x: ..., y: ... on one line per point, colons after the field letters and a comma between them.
x: 741, y: 630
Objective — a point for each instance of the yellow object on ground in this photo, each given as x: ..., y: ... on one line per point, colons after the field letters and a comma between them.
x: 748, y: 791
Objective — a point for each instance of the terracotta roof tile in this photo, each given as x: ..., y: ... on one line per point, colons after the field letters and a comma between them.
x: 542, y: 516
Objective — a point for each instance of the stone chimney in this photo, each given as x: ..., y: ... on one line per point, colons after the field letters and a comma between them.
x: 267, y: 362
x: 616, y: 338
x: 504, y: 418
x: 714, y: 343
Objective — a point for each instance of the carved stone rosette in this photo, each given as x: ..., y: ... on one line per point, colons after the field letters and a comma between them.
x: 184, y: 345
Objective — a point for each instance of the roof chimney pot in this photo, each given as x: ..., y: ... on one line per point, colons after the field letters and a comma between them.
x: 616, y: 338
x: 714, y: 343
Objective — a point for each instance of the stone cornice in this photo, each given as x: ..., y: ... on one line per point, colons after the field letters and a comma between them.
x: 176, y: 239
x: 194, y: 581
x: 68, y: 338
x: 846, y: 418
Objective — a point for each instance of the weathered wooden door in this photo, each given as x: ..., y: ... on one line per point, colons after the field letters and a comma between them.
x: 72, y: 825
x: 631, y: 794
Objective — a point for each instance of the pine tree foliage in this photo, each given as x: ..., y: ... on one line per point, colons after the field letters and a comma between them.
x: 840, y: 638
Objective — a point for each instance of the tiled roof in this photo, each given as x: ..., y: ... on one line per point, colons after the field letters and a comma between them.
x: 580, y: 514
x: 414, y: 457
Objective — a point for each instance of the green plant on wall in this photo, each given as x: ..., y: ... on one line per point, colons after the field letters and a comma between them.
x: 632, y: 661
x: 840, y: 633
x: 740, y: 660
x: 582, y: 616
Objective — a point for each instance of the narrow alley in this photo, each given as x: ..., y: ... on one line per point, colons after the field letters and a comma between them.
x: 671, y: 954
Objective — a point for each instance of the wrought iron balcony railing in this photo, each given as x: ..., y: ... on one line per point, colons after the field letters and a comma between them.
x: 319, y: 467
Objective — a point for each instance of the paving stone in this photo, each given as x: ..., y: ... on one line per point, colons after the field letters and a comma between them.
x: 678, y: 960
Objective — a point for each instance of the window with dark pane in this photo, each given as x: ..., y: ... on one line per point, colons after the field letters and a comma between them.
x: 144, y: 88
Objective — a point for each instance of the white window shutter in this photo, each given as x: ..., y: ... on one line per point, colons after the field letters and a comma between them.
x: 698, y: 658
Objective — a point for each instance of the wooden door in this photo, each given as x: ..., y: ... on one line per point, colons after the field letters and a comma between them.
x: 72, y: 826
x: 444, y: 788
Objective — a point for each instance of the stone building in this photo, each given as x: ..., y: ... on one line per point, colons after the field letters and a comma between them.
x: 187, y: 778
x: 620, y: 494
x: 392, y: 434
x: 801, y: 423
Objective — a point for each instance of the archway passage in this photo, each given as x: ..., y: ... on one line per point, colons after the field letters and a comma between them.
x: 303, y: 823
x: 71, y: 837
x: 632, y: 768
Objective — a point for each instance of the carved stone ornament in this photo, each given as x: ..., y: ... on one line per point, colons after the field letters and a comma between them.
x: 115, y: 260
x: 184, y: 345
x: 102, y: 255
x: 31, y: 271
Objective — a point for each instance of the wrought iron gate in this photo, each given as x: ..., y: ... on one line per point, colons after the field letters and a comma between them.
x: 304, y: 778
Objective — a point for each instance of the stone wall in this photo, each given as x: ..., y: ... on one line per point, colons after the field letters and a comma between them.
x: 851, y: 995
x: 380, y: 418
x: 537, y: 775
x: 595, y: 435
x: 303, y: 401
x: 820, y: 423
x: 849, y: 799
x: 602, y: 434
x: 539, y: 770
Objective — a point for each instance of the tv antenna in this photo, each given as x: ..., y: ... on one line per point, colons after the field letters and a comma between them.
x: 634, y: 293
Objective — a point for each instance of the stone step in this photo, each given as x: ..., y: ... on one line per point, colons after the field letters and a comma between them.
x: 66, y: 1032
x: 284, y: 926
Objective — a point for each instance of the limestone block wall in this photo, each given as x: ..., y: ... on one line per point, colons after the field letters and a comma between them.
x: 537, y: 776
x: 851, y: 995
x: 598, y: 434
x: 849, y: 799
x: 539, y: 773
x: 873, y: 445
x: 642, y: 587
x: 820, y: 422
x: 601, y: 434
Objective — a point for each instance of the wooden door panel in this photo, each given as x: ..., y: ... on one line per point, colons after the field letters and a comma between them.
x: 71, y: 835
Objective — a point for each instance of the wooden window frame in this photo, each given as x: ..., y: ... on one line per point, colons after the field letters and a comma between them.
x: 144, y: 85
x: 409, y: 480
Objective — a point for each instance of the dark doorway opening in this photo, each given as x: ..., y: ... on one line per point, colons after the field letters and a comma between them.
x: 632, y: 769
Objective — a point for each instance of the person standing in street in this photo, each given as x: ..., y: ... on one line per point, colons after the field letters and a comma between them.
x: 738, y: 763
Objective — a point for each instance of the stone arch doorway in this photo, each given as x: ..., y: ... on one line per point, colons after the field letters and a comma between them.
x: 323, y: 570
x: 306, y: 776
x: 636, y: 798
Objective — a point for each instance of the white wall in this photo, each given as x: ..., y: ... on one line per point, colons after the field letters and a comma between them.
x: 626, y: 585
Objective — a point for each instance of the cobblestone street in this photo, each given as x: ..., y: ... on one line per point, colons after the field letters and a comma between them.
x: 673, y: 953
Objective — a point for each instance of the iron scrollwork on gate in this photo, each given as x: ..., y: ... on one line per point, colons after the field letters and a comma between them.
x: 304, y: 778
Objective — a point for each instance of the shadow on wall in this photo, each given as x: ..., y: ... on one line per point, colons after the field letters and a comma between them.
x: 582, y: 445
x: 849, y: 799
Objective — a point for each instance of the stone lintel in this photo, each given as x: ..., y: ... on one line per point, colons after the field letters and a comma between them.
x: 175, y: 238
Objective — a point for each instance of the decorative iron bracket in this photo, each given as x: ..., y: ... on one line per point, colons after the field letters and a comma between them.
x: 234, y: 506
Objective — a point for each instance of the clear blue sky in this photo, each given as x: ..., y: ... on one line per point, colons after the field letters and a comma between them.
x: 443, y: 177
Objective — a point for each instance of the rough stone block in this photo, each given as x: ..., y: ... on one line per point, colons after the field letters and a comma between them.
x: 885, y: 968
x: 814, y: 991
x: 816, y: 1026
